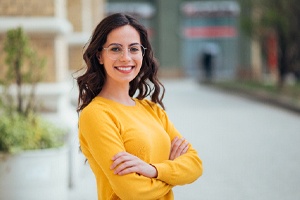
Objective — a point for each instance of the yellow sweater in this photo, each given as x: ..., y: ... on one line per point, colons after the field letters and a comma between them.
x: 144, y: 130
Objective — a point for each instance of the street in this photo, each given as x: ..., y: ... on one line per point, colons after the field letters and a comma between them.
x: 250, y: 150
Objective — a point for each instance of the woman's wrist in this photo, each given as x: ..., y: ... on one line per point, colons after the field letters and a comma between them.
x: 154, y: 172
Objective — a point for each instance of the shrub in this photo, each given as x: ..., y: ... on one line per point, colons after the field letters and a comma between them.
x: 21, y: 128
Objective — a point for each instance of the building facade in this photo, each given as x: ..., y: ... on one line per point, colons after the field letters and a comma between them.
x: 58, y: 29
x: 61, y: 28
x: 183, y: 31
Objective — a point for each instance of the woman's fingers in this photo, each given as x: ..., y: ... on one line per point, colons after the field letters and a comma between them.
x: 186, y: 147
x: 182, y: 148
x: 178, y: 147
x: 125, y: 168
x: 123, y: 163
x: 174, y: 141
x: 174, y: 145
x: 120, y: 158
x: 126, y: 163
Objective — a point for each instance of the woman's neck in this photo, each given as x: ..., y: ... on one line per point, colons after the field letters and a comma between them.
x: 118, y: 93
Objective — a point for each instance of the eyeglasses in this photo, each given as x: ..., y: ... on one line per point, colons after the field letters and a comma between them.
x: 115, y: 52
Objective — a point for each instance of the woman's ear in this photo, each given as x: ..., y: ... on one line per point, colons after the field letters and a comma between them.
x: 100, y: 58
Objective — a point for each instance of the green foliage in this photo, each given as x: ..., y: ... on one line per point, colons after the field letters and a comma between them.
x: 260, y: 17
x: 17, y: 49
x: 24, y: 68
x: 18, y: 133
x: 289, y: 91
x: 21, y: 128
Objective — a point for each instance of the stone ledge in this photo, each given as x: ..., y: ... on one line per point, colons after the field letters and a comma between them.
x: 78, y: 39
x: 36, y: 25
x: 51, y: 97
x: 276, y: 100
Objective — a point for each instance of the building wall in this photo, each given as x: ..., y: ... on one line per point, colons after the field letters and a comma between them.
x: 57, y: 29
x: 168, y: 34
x: 27, y: 8
x: 74, y: 14
x: 45, y: 47
x: 75, y: 58
x: 34, y: 16
x: 210, y: 29
x: 84, y: 16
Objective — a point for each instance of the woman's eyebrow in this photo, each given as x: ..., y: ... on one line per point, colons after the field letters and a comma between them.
x: 117, y: 44
x: 136, y: 43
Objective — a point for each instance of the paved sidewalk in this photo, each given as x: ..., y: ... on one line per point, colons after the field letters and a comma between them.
x: 85, y: 189
x: 250, y: 150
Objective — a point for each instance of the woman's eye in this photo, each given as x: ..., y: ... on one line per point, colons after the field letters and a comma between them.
x: 115, y: 49
x: 134, y: 49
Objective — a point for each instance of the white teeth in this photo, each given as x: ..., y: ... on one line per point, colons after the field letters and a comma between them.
x: 124, y: 68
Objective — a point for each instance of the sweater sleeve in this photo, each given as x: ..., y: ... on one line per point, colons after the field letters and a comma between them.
x: 100, y: 140
x: 183, y: 170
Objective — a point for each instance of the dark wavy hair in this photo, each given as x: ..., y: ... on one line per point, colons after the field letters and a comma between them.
x: 91, y: 82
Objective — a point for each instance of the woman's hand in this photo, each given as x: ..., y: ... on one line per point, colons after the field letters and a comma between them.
x: 126, y: 163
x: 178, y: 147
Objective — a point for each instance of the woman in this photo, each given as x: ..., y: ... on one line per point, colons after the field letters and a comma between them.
x: 132, y: 147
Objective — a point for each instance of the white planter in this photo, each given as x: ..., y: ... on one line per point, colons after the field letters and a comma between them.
x: 34, y: 175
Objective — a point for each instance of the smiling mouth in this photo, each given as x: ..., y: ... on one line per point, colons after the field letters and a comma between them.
x: 125, y: 69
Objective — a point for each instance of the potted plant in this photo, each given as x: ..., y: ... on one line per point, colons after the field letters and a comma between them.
x: 33, y: 159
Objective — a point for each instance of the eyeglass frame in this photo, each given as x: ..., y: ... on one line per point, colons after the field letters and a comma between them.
x: 106, y: 48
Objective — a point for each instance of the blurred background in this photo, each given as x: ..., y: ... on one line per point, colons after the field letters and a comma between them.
x: 244, y: 46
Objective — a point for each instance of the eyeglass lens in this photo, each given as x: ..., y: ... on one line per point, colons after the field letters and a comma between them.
x: 114, y: 52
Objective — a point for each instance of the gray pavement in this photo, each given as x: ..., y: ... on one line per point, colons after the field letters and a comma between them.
x: 250, y: 150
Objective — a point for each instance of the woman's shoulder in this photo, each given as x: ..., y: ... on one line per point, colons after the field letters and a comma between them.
x: 146, y: 102
x: 99, y: 110
x: 97, y: 105
x: 150, y: 105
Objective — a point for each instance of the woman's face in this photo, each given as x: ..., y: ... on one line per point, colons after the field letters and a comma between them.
x: 121, y: 55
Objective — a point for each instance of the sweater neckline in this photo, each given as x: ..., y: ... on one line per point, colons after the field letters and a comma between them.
x: 109, y: 101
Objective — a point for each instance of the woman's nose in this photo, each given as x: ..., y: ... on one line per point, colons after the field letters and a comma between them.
x: 125, y: 55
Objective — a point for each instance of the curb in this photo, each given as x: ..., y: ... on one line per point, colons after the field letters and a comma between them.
x: 280, y: 101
